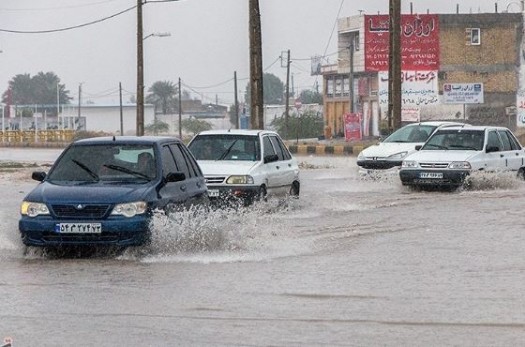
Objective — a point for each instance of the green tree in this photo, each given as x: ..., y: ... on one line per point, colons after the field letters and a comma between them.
x: 39, y: 90
x: 273, y: 90
x: 311, y: 97
x: 195, y: 126
x: 157, y: 126
x: 301, y: 126
x: 164, y: 95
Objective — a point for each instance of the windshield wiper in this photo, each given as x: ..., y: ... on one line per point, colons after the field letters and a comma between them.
x: 85, y: 168
x: 128, y: 171
x: 223, y: 155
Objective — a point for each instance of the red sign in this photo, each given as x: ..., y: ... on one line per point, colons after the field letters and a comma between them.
x: 352, y: 126
x: 419, y: 42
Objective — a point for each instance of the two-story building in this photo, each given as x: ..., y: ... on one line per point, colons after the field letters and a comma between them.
x: 461, y: 67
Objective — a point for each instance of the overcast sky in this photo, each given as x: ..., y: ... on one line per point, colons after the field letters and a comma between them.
x: 209, y: 41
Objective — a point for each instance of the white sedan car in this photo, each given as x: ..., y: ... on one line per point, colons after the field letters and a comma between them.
x: 245, y: 165
x: 452, y: 154
x: 391, y: 151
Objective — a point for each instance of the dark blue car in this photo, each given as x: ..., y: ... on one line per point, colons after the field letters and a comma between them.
x: 103, y: 191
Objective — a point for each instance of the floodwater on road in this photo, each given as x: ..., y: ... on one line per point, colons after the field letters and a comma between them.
x: 353, y: 262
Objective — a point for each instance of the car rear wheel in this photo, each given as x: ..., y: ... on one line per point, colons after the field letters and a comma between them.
x: 294, y: 189
x: 521, y: 173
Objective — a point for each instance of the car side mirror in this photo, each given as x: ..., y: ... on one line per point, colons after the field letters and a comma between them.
x: 492, y: 149
x: 38, y: 176
x: 175, y: 177
x: 418, y: 147
x: 270, y: 158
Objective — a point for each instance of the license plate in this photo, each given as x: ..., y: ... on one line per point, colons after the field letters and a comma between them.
x: 431, y: 175
x: 213, y: 193
x: 78, y: 228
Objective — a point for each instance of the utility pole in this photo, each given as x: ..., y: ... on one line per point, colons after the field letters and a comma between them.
x: 287, y: 97
x: 140, y: 72
x: 79, y: 105
x: 351, y: 77
x: 121, y: 110
x: 256, y: 75
x: 180, y: 110
x: 394, y: 66
x: 236, y: 107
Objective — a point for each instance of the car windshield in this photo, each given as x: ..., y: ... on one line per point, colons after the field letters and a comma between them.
x: 456, y: 140
x: 411, y: 133
x: 105, y: 163
x: 226, y: 147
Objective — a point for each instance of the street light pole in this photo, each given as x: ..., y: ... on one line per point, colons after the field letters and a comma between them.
x: 140, y: 72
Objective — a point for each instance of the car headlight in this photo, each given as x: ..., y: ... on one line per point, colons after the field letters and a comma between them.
x: 33, y: 209
x: 130, y: 209
x: 398, y: 156
x: 409, y: 163
x: 240, y: 179
x: 461, y: 165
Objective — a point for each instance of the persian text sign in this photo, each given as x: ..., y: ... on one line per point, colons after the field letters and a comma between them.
x: 463, y: 93
x: 418, y: 88
x: 419, y: 42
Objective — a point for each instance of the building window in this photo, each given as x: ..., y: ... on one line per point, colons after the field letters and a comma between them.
x: 356, y: 42
x: 473, y: 36
x: 330, y: 87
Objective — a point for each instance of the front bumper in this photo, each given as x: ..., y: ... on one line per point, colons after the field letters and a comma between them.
x: 118, y: 231
x: 450, y: 178
x: 378, y: 164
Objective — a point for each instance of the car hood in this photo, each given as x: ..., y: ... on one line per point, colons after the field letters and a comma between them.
x: 441, y: 156
x: 88, y: 193
x: 386, y: 149
x: 226, y: 167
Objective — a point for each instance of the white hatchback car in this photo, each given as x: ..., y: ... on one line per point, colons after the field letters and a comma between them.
x: 245, y: 165
x: 452, y: 154
x: 390, y: 152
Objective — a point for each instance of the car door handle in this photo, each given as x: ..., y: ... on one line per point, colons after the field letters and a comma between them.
x: 501, y: 155
x: 183, y: 188
x: 277, y: 167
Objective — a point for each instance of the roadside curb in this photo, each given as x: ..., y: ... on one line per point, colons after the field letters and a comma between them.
x: 325, y: 149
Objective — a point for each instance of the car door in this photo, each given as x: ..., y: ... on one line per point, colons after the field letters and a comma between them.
x: 172, y: 193
x: 513, y: 153
x: 197, y: 190
x: 271, y: 170
x: 287, y: 168
x: 494, y: 154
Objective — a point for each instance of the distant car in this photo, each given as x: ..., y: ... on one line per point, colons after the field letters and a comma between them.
x: 452, y: 154
x: 390, y: 152
x: 103, y: 191
x: 245, y: 165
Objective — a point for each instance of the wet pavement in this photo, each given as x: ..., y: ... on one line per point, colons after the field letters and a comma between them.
x: 353, y: 262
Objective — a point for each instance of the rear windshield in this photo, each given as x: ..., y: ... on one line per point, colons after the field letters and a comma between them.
x: 226, y: 147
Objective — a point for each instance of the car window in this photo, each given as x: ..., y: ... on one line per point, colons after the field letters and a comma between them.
x: 509, y: 141
x: 190, y: 160
x: 493, y: 140
x: 180, y: 161
x: 168, y: 162
x: 277, y: 148
x: 286, y: 153
x: 267, y: 147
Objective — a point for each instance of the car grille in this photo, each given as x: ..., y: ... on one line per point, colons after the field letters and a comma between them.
x: 81, y: 238
x: 81, y: 211
x: 433, y: 165
x: 215, y: 179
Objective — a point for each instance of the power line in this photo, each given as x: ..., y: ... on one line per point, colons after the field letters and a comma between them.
x: 67, y: 28
x: 57, y: 7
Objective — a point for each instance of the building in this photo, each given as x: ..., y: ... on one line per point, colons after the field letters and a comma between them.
x: 462, y: 67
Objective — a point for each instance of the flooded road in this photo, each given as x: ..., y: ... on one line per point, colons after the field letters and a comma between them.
x: 353, y: 262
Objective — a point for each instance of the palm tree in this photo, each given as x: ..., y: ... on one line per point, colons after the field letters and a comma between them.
x: 163, y: 94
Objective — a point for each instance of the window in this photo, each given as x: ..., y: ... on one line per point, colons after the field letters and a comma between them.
x: 493, y: 141
x: 267, y: 147
x: 473, y: 36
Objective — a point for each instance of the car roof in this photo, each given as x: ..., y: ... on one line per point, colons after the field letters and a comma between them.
x: 249, y: 132
x: 437, y: 123
x: 126, y: 140
x: 475, y: 127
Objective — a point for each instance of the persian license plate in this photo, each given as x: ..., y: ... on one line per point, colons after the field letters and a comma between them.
x: 213, y: 193
x: 431, y: 175
x: 78, y: 228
